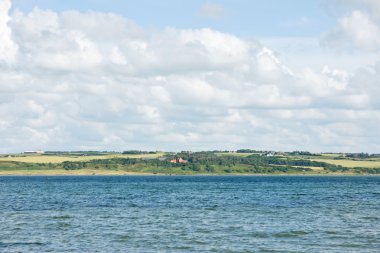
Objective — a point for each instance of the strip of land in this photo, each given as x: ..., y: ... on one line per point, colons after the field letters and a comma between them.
x: 243, y: 162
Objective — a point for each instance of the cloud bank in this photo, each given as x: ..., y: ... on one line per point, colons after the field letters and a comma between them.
x: 98, y: 81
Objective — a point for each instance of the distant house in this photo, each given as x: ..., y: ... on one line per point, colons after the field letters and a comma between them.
x: 178, y: 160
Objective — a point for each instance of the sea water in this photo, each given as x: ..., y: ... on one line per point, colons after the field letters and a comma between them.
x: 189, y: 214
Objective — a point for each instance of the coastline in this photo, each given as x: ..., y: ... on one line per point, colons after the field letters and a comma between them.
x: 72, y: 173
x: 131, y: 173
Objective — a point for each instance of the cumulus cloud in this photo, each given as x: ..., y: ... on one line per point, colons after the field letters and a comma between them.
x: 89, y: 80
x: 8, y: 48
x: 356, y: 30
x: 212, y: 10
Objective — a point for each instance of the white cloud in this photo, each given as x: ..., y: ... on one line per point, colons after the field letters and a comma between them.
x: 149, y: 112
x: 269, y: 67
x: 83, y: 54
x: 98, y: 81
x: 117, y: 57
x: 356, y: 30
x: 212, y: 10
x: 8, y: 48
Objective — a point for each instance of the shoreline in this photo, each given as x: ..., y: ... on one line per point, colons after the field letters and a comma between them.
x: 129, y: 173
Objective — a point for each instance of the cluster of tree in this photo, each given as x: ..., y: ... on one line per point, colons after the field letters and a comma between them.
x: 305, y: 153
x: 358, y: 155
x: 245, y: 151
x: 138, y: 152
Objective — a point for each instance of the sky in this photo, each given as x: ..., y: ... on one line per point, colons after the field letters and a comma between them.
x: 190, y: 75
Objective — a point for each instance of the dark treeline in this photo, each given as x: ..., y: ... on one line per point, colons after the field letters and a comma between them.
x: 359, y: 155
x: 138, y: 152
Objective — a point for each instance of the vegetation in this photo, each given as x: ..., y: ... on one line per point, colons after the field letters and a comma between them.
x: 208, y: 162
x: 138, y: 152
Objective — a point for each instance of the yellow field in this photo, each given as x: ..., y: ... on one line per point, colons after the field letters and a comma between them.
x: 62, y: 172
x: 350, y: 163
x: 311, y: 167
x: 330, y: 155
x: 60, y: 159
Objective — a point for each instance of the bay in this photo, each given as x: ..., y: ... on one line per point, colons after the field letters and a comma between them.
x: 189, y: 214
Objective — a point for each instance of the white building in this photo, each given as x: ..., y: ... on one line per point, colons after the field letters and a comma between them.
x: 34, y: 152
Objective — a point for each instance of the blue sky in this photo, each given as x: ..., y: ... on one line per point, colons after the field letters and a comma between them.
x: 190, y: 75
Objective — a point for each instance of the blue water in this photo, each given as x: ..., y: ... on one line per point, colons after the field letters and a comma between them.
x: 189, y: 214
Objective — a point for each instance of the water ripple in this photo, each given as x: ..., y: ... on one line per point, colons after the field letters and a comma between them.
x: 189, y: 214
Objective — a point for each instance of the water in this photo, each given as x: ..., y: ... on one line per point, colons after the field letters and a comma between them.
x: 189, y: 214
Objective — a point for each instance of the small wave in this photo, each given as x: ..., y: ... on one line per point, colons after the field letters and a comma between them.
x: 331, y: 232
x: 371, y: 218
x: 290, y: 234
x: 348, y: 245
x: 182, y: 247
x: 63, y: 225
x: 61, y: 217
x: 123, y: 238
x: 12, y: 244
x: 211, y: 208
x: 260, y: 235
